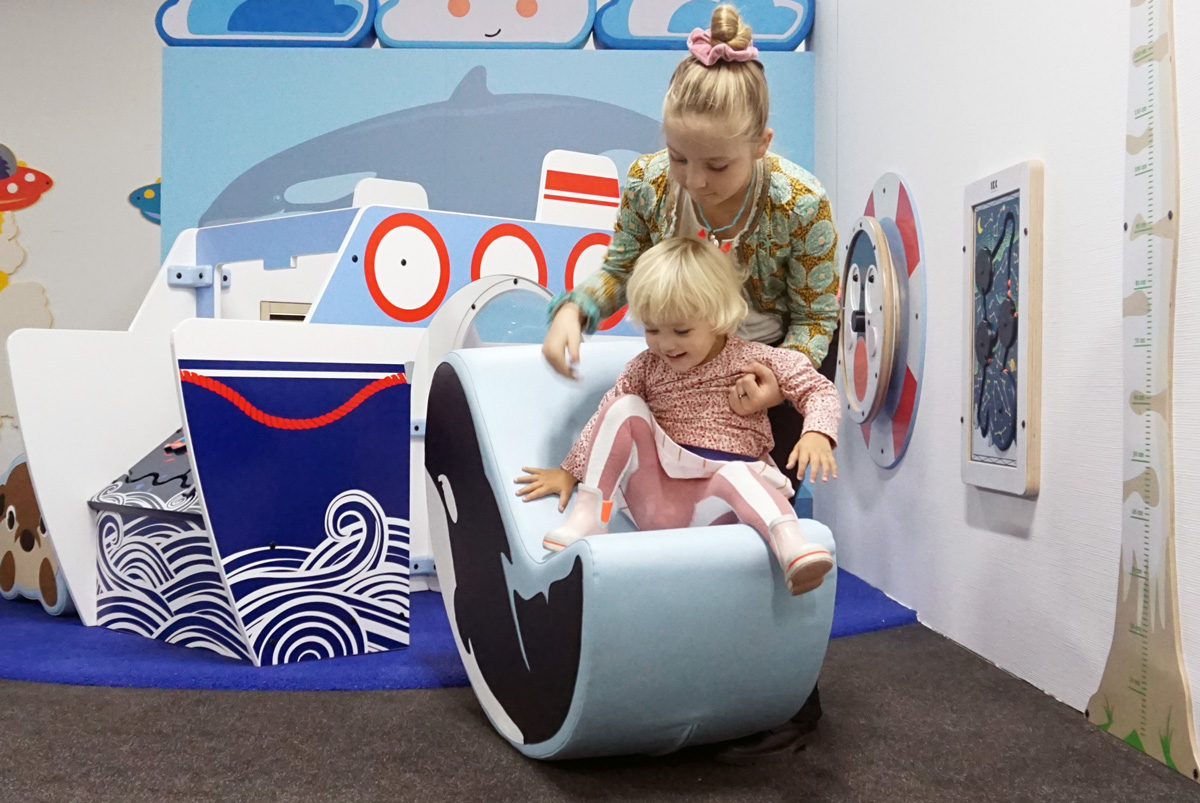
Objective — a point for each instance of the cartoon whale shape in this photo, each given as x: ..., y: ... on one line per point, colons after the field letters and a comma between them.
x: 476, y: 153
x: 148, y: 200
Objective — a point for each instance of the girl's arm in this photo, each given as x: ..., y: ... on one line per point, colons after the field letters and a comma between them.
x: 604, y: 291
x: 812, y: 394
x: 812, y: 281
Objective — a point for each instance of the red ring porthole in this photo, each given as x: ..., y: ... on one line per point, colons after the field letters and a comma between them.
x: 508, y: 230
x: 588, y: 241
x: 387, y: 226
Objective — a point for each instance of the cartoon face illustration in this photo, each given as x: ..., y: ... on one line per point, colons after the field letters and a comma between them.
x: 564, y: 23
x: 28, y: 564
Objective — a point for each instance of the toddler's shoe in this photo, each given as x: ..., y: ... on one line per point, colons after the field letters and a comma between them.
x: 589, y: 516
x: 804, y: 564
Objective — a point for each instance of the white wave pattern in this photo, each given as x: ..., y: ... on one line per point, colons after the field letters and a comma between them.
x: 184, y: 502
x: 346, y: 596
x: 160, y: 579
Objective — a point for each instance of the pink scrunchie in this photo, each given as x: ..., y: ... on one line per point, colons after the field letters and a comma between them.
x: 701, y: 46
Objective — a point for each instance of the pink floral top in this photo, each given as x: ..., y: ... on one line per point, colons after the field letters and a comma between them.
x: 693, y: 407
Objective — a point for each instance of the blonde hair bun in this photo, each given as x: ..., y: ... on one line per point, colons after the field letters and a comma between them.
x: 727, y: 27
x: 732, y: 90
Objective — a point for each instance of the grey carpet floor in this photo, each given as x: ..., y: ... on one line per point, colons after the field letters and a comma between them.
x: 909, y: 716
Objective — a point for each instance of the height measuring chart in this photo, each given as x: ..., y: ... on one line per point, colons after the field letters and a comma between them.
x: 1144, y: 697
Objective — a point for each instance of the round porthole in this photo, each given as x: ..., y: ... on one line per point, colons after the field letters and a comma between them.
x: 509, y: 250
x: 586, y: 258
x: 407, y: 267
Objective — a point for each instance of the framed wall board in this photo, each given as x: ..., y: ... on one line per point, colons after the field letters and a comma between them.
x: 1002, y: 262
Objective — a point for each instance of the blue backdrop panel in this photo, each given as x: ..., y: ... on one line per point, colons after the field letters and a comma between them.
x: 263, y: 23
x: 256, y: 133
x: 665, y: 24
x: 304, y: 472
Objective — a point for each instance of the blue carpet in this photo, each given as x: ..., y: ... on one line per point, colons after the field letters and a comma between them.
x: 862, y: 608
x: 37, y: 647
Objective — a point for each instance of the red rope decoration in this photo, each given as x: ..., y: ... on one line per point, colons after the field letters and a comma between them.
x: 277, y: 422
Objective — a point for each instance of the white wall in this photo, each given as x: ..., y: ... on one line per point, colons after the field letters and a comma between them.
x: 82, y: 102
x: 946, y: 92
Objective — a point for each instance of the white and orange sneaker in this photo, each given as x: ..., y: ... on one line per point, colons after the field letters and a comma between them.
x: 804, y: 564
x: 589, y: 516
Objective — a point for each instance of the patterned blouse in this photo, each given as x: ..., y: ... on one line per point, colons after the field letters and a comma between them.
x: 693, y: 407
x: 789, y: 249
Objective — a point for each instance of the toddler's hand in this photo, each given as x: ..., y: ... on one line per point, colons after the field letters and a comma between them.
x: 814, y: 452
x: 541, y: 482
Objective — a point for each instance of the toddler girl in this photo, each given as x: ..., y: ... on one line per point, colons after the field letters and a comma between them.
x: 665, y: 444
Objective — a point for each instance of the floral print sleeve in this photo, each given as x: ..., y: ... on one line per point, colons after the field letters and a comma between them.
x: 604, y: 291
x: 812, y: 280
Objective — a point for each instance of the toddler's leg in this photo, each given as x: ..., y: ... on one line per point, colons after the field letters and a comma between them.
x: 764, y: 508
x: 622, y: 443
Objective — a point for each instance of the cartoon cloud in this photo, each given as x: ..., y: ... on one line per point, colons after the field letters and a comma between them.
x: 485, y: 23
x: 314, y: 23
x: 11, y: 252
x: 23, y: 305
x: 665, y: 24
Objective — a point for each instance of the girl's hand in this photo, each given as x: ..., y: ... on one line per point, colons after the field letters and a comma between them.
x: 813, y: 451
x: 756, y: 389
x: 565, y: 332
x: 541, y: 482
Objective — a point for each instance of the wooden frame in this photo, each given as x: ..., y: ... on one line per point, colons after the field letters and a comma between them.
x: 283, y: 310
x: 1002, y: 266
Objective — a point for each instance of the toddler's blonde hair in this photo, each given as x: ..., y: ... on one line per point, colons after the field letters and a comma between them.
x: 730, y: 91
x: 683, y: 278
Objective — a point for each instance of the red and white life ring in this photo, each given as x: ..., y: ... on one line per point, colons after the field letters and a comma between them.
x: 882, y: 349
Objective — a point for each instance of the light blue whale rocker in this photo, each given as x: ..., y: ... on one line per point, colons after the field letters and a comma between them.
x: 630, y: 642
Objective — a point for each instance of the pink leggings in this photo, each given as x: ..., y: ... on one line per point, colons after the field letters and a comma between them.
x: 665, y: 486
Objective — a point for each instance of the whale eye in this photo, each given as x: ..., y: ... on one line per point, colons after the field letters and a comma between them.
x: 459, y: 8
x: 527, y: 8
x: 10, y: 518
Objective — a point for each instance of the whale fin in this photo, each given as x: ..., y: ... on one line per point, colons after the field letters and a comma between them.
x: 472, y: 90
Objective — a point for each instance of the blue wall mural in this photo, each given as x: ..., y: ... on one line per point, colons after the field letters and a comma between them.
x: 471, y: 127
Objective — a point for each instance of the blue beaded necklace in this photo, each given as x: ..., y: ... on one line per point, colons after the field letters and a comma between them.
x: 745, y: 202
